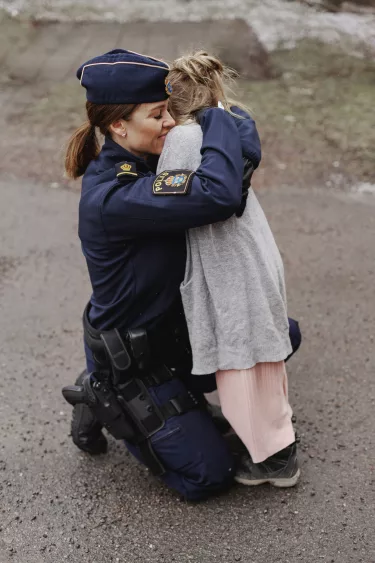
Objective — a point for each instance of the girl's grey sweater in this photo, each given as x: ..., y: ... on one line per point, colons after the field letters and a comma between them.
x: 234, y: 289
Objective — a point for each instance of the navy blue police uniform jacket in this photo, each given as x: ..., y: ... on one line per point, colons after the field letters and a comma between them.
x: 132, y: 225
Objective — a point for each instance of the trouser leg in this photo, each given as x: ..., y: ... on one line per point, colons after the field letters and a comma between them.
x: 255, y: 402
x: 197, y: 460
x: 90, y: 364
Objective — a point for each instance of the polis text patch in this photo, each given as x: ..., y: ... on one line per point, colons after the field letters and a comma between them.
x: 173, y: 182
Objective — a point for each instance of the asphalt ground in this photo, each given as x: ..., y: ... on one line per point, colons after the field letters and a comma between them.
x: 58, y: 504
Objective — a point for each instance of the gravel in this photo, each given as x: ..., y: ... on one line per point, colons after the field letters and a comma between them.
x: 57, y: 504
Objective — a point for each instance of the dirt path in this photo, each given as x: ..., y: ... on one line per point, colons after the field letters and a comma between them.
x: 58, y: 504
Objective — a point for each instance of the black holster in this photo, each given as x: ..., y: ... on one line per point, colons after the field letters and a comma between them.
x: 118, y: 391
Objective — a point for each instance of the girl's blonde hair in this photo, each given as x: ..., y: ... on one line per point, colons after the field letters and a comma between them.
x: 200, y: 81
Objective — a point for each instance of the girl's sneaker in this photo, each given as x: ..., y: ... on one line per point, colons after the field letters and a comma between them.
x: 280, y: 470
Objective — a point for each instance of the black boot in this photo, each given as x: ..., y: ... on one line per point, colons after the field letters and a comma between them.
x: 86, y: 431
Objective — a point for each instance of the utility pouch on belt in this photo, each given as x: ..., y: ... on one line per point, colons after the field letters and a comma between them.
x: 135, y: 399
x: 138, y: 342
x: 117, y: 354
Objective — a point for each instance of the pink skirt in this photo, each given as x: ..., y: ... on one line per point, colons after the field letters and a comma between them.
x: 255, y: 403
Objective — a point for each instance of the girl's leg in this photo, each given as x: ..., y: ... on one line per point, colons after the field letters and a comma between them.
x: 255, y: 402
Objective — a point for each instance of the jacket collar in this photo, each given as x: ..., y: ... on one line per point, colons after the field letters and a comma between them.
x: 113, y: 153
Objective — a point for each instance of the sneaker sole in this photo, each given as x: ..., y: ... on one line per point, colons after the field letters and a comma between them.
x: 280, y: 483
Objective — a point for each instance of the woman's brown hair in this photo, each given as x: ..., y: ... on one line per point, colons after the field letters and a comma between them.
x: 83, y: 145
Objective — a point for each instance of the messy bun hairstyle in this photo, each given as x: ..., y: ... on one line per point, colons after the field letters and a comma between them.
x: 199, y: 81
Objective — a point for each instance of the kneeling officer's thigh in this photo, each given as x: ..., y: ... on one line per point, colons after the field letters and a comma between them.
x: 196, y: 458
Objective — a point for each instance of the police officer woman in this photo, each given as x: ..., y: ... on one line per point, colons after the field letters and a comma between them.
x: 132, y: 229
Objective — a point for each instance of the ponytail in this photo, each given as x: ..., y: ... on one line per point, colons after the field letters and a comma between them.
x: 83, y: 147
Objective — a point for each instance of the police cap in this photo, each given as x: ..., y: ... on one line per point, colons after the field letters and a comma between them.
x: 124, y: 77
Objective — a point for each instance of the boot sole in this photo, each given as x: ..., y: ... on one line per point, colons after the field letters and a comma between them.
x: 281, y: 483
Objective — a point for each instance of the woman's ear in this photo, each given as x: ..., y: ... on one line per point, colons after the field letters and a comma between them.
x: 118, y: 127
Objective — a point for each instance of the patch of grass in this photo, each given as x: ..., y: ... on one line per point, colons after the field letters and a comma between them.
x: 317, y: 117
x: 14, y: 36
x: 63, y: 103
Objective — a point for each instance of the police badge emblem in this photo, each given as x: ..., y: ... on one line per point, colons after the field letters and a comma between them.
x: 176, y: 180
x: 173, y: 182
x: 126, y: 167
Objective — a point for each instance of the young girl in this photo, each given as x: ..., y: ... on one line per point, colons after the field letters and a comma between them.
x: 234, y: 293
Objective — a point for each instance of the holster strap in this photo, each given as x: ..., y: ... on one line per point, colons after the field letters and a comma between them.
x: 180, y: 404
x: 139, y: 346
x: 116, y: 351
x: 158, y: 375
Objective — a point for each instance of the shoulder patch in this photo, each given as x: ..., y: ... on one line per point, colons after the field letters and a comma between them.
x: 126, y: 169
x: 173, y: 182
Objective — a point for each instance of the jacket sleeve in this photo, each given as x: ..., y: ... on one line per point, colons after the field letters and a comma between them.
x: 133, y: 209
x: 249, y: 136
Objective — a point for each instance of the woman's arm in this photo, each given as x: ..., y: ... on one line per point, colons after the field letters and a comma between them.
x: 249, y: 136
x: 148, y: 205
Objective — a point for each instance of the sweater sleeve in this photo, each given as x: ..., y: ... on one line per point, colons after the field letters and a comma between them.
x: 181, y: 148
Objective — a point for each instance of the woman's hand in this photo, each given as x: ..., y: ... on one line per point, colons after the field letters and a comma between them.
x: 246, y: 183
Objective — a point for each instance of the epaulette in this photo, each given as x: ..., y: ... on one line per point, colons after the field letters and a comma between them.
x: 126, y: 169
